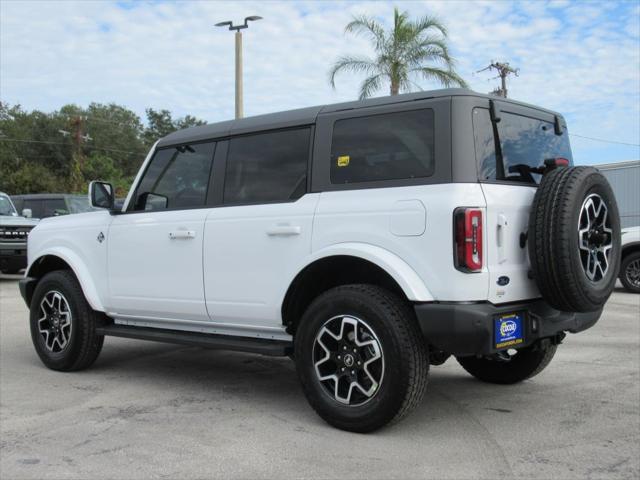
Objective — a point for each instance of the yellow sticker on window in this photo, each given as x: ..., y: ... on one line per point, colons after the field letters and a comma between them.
x: 343, y: 160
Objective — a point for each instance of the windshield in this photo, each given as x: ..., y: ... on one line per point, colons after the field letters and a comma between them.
x: 525, y: 143
x: 6, y: 207
x: 79, y: 204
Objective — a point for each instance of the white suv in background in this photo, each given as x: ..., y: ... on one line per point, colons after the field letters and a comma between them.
x: 14, y: 230
x: 367, y: 240
x: 630, y: 263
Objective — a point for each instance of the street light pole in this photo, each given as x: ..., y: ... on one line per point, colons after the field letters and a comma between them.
x: 238, y: 35
x: 239, y: 106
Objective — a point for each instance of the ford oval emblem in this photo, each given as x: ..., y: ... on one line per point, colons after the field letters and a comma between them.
x: 502, y: 281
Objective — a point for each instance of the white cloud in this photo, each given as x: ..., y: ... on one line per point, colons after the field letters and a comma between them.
x: 582, y: 59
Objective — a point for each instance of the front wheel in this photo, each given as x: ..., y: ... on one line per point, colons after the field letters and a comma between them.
x: 506, y: 369
x: 63, y: 325
x: 630, y: 272
x: 361, y: 357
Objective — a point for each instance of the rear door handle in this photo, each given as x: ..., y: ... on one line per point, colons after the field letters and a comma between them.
x: 284, y: 230
x: 179, y: 234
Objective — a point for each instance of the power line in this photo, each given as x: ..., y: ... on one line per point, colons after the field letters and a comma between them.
x: 504, y: 70
x: 605, y: 141
x: 61, y: 143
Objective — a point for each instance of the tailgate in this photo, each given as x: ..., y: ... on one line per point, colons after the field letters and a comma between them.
x: 507, y: 257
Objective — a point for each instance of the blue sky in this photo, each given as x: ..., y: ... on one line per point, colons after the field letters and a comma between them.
x: 580, y: 58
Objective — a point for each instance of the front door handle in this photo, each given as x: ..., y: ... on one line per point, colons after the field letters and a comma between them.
x: 284, y: 230
x: 179, y: 234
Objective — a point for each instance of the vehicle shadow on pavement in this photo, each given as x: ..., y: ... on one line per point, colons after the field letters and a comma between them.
x: 203, y: 375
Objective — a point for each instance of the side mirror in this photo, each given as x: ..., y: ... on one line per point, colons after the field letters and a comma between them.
x: 152, y: 201
x: 27, y: 213
x: 101, y: 195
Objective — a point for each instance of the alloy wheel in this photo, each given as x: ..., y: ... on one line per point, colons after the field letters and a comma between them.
x: 348, y: 360
x: 595, y: 237
x: 632, y: 273
x: 54, y: 323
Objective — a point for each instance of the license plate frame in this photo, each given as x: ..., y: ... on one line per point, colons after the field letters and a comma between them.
x: 508, y: 330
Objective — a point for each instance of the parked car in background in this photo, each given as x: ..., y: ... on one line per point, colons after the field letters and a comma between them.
x: 630, y: 263
x: 44, y: 205
x: 13, y: 236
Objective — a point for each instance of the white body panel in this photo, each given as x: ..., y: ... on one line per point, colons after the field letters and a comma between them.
x: 227, y: 269
x: 630, y: 235
x: 155, y: 265
x: 251, y: 254
x: 74, y: 239
x: 390, y: 219
x: 507, y: 217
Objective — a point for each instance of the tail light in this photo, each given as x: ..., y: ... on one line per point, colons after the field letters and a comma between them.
x: 467, y: 224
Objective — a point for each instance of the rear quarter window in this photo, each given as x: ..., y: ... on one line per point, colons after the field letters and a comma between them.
x: 381, y: 147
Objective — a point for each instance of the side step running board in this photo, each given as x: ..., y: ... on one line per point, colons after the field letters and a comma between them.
x: 275, y: 348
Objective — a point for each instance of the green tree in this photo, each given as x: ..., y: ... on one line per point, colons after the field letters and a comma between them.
x: 39, y: 152
x: 161, y: 123
x: 410, y: 50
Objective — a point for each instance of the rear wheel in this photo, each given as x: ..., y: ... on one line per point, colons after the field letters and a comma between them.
x: 630, y: 272
x: 361, y: 357
x: 510, y: 368
x: 63, y: 325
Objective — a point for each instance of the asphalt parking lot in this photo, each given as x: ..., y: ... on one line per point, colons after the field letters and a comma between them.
x: 154, y: 410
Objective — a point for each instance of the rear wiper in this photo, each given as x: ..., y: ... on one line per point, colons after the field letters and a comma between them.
x: 525, y: 171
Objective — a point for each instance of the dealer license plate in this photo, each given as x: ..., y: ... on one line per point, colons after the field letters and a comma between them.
x: 509, y: 330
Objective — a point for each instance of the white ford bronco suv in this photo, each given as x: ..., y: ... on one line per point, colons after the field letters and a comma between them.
x: 367, y: 240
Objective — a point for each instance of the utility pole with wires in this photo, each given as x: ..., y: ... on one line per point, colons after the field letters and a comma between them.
x: 77, y: 178
x: 504, y: 70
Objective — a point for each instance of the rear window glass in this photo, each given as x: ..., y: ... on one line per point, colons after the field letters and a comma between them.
x: 383, y: 147
x: 525, y: 143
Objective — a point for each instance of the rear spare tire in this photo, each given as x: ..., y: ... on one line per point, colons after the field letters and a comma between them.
x: 574, y: 239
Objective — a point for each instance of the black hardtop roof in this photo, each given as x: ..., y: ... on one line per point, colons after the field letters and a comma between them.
x: 307, y: 116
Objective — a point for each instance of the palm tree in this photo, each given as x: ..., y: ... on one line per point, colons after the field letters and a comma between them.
x: 412, y: 50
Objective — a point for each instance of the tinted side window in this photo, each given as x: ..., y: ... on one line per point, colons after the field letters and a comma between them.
x: 37, y: 210
x: 383, y: 147
x: 176, y: 177
x: 267, y: 167
x: 54, y: 206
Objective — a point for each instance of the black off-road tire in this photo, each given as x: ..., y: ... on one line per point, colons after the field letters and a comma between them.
x: 624, y: 277
x: 406, y: 360
x: 84, y: 345
x: 554, y: 241
x: 526, y: 363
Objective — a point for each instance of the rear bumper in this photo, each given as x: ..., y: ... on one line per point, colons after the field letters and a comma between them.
x: 465, y: 329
